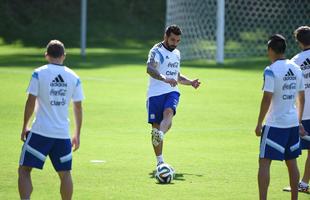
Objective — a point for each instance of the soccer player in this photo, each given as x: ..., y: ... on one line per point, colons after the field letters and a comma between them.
x: 302, y: 36
x: 163, y: 66
x: 50, y: 91
x: 283, y: 85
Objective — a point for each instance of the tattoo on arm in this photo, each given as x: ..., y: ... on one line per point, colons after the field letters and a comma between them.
x: 153, y: 72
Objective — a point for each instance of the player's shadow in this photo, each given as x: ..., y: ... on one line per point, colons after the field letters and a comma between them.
x: 177, y: 176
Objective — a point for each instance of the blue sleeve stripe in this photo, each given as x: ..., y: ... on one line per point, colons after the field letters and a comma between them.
x: 78, y: 82
x: 35, y: 75
x: 160, y: 56
x: 268, y: 72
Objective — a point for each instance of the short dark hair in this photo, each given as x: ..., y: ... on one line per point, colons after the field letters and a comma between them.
x: 277, y: 43
x: 55, y: 49
x: 302, y: 35
x: 175, y: 29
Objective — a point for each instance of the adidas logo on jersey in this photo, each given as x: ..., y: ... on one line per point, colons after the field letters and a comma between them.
x: 58, y: 82
x: 289, y: 75
x: 305, y: 65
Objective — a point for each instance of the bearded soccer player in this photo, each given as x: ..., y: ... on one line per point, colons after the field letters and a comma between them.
x: 163, y: 66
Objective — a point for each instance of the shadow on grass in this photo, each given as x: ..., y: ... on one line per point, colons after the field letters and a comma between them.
x: 104, y: 58
x: 177, y: 176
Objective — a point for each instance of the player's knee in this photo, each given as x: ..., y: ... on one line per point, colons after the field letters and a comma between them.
x: 64, y: 174
x: 24, y: 171
x: 168, y: 112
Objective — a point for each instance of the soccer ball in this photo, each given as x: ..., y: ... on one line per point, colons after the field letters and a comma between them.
x: 164, y: 173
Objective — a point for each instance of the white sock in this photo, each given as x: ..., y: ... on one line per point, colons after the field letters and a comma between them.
x: 303, y: 184
x: 160, y: 158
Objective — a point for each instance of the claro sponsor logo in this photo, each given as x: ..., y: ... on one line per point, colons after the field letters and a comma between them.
x: 288, y: 96
x: 62, y: 102
x: 170, y: 73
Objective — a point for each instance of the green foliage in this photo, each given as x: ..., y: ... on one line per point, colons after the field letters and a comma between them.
x: 110, y: 23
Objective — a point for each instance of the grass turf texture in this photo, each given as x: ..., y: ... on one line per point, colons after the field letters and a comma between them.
x: 211, y: 145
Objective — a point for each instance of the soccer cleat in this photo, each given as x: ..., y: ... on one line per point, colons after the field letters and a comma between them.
x: 302, y: 188
x: 157, y: 136
x: 159, y: 163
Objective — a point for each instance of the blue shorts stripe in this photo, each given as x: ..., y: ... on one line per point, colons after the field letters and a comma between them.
x: 22, y: 156
x: 37, y: 147
x: 295, y: 146
x: 307, y: 138
x: 35, y: 153
x: 275, y: 145
x: 66, y: 158
x: 280, y: 143
x: 263, y: 142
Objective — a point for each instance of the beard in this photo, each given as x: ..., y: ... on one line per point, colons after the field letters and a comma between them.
x: 171, y: 47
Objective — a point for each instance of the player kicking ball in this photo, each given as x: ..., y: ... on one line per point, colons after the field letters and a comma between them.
x: 163, y: 66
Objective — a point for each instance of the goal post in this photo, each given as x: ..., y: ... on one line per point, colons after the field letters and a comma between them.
x: 220, y: 30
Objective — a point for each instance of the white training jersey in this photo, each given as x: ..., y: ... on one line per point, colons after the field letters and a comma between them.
x: 284, y: 79
x: 168, y: 65
x: 303, y: 60
x: 54, y: 86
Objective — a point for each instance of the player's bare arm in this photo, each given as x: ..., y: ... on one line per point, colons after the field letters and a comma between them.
x: 186, y: 81
x: 266, y: 101
x: 154, y: 73
x: 78, y: 116
x: 300, y: 104
x: 29, y: 108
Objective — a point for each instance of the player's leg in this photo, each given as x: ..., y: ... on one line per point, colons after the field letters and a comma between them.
x: 306, y: 176
x: 158, y: 149
x: 272, y: 147
x: 294, y: 177
x: 155, y: 110
x: 158, y: 131
x: 66, y: 185
x: 305, y: 145
x: 170, y: 106
x: 263, y: 177
x: 292, y: 152
x: 33, y: 155
x: 61, y: 157
x: 24, y: 182
x: 166, y: 123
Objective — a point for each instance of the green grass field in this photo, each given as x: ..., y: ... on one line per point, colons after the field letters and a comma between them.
x: 211, y: 145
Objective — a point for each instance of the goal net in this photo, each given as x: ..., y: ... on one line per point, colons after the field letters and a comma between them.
x: 247, y: 25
